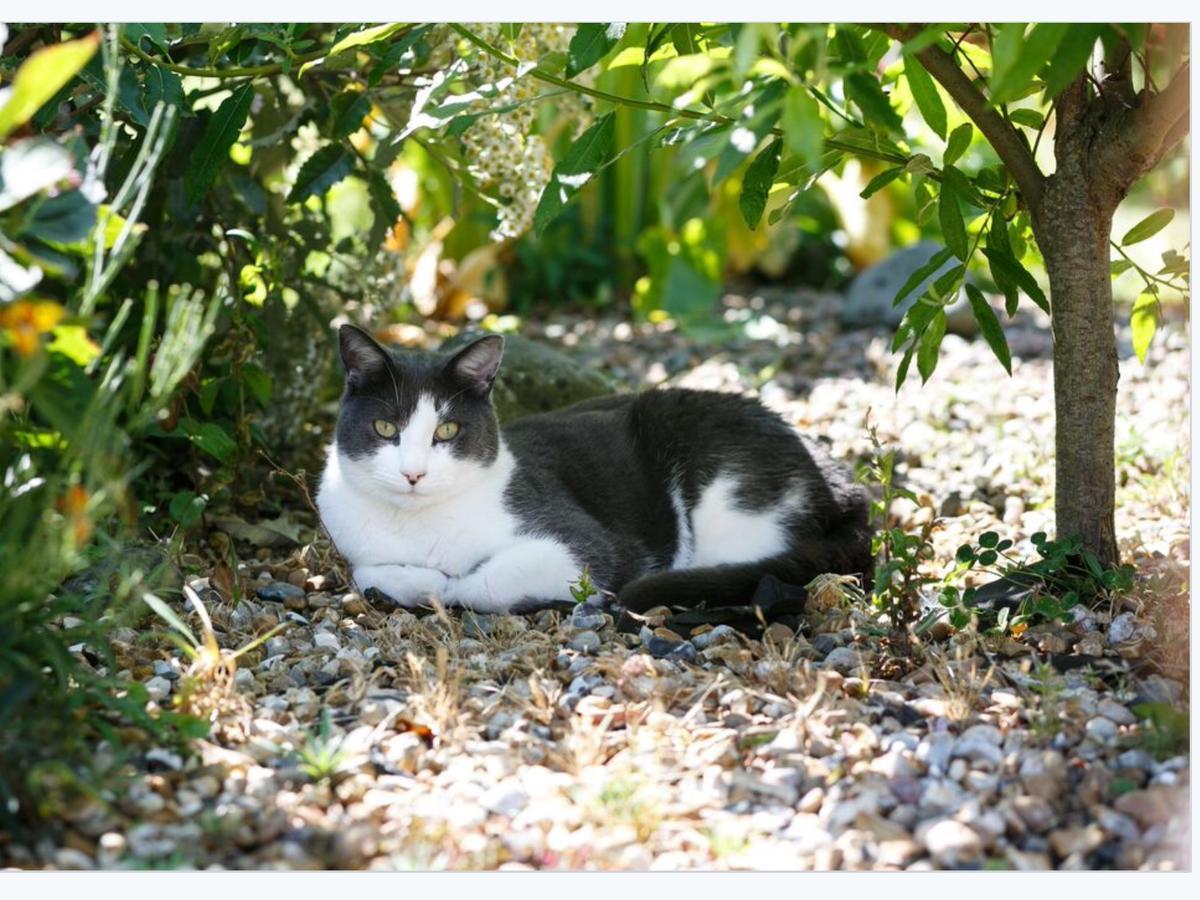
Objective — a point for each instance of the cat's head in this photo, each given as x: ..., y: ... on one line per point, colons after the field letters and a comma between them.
x: 414, y: 428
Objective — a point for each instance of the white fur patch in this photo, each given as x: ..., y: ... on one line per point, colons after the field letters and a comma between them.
x: 685, y: 543
x: 458, y: 543
x: 723, y: 533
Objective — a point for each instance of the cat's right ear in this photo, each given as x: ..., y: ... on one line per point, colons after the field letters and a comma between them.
x: 363, y: 357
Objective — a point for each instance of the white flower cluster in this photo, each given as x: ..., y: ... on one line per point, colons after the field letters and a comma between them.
x: 502, y: 154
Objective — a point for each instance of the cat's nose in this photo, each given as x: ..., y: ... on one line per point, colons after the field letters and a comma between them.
x: 413, y: 477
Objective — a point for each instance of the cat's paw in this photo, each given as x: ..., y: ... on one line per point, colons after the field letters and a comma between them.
x: 407, y: 586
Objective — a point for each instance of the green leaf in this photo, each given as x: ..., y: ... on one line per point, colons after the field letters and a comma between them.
x: 867, y: 94
x: 803, y: 129
x: 364, y: 37
x: 42, y: 76
x: 997, y: 239
x: 686, y: 38
x: 925, y: 93
x: 1148, y: 227
x: 902, y: 369
x: 1071, y: 57
x: 1030, y: 118
x: 65, y: 219
x: 172, y: 618
x: 212, y: 439
x: 954, y: 231
x: 882, y: 180
x: 989, y: 325
x: 320, y: 172
x: 384, y: 206
x: 756, y: 185
x: 931, y: 341
x: 591, y: 43
x: 153, y: 32
x: 1144, y: 322
x: 916, y: 278
x: 957, y: 143
x: 161, y: 86
x: 1119, y: 267
x: 346, y: 113
x: 1004, y: 262
x: 591, y: 150
x: 221, y: 134
x: 1019, y: 56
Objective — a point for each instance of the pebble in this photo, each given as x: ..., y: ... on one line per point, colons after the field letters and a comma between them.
x: 951, y: 843
x: 587, y: 617
x: 1122, y: 628
x: 282, y: 592
x: 721, y: 634
x: 158, y: 688
x: 587, y: 642
x: 844, y: 660
x: 664, y: 648
x: 1101, y: 729
x: 327, y: 640
x: 1115, y: 712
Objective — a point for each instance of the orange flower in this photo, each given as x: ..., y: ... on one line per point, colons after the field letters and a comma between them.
x: 74, y: 505
x: 25, y: 320
x: 1018, y: 629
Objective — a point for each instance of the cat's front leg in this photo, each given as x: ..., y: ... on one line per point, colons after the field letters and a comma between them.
x: 535, y: 569
x: 407, y: 586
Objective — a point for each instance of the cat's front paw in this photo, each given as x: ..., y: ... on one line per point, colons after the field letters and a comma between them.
x: 407, y: 586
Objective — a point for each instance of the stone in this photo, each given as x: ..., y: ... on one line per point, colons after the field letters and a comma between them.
x: 934, y: 750
x: 721, y: 634
x: 951, y: 843
x: 1035, y: 813
x: 587, y: 642
x: 506, y: 798
x: 1043, y: 773
x: 1153, y: 806
x: 844, y: 660
x: 663, y: 648
x: 1101, y: 730
x: 327, y: 640
x: 587, y: 617
x: 869, y: 299
x: 281, y: 592
x: 1081, y: 840
x: 1123, y: 628
x: 353, y: 604
x: 1115, y: 712
x: 158, y: 688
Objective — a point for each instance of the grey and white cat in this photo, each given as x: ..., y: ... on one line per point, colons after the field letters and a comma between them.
x: 669, y: 497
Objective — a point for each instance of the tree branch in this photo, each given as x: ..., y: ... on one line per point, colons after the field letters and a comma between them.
x: 1003, y: 136
x: 1163, y: 117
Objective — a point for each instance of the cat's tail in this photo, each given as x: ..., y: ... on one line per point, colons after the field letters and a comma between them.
x: 844, y: 552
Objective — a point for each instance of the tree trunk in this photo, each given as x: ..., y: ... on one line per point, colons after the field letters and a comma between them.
x: 1074, y: 228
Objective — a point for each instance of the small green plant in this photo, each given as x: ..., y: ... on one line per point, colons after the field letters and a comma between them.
x: 321, y: 756
x: 1064, y: 575
x: 898, y: 580
x: 583, y: 589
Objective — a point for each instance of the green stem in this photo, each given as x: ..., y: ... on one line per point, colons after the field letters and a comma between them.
x: 1146, y: 276
x: 231, y: 72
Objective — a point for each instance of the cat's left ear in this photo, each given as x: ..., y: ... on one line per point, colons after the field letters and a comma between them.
x: 475, y: 365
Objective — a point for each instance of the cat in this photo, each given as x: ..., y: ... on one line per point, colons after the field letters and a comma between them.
x: 668, y: 497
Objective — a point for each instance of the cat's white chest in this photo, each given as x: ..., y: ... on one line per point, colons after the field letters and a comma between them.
x: 454, y: 534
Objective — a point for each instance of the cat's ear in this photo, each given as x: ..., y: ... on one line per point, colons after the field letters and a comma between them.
x: 362, y: 356
x: 475, y: 365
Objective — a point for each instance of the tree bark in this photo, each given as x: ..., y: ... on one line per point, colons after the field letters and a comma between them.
x: 1074, y: 228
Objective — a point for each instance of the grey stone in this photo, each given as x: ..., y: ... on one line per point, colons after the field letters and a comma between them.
x: 721, y: 634
x: 279, y: 592
x: 824, y: 643
x: 844, y: 660
x: 869, y: 298
x: 662, y: 648
x: 585, y: 642
x: 587, y: 617
x: 1122, y: 629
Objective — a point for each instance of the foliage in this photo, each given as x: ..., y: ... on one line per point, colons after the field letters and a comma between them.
x: 71, y: 409
x: 897, y: 582
x: 584, y: 589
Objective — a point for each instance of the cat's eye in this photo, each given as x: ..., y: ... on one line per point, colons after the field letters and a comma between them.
x: 385, y: 429
x: 446, y: 431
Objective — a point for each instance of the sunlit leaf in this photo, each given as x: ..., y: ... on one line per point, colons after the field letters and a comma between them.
x: 220, y: 134
x: 1148, y: 227
x: 591, y: 43
x: 1143, y: 322
x: 42, y: 76
x: 925, y: 93
x: 591, y: 150
x: 756, y: 185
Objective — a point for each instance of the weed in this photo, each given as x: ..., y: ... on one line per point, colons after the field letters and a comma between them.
x: 321, y: 756
x: 1164, y: 730
x: 583, y: 589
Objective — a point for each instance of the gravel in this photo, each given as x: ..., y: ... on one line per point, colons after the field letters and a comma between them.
x: 370, y: 737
